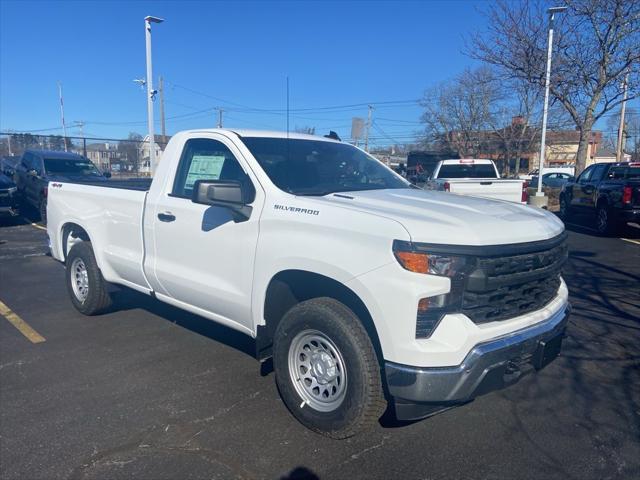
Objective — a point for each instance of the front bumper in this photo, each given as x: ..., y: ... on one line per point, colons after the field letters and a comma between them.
x: 418, y: 392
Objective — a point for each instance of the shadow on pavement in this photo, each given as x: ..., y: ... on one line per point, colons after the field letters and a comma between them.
x: 597, y: 378
x: 125, y: 299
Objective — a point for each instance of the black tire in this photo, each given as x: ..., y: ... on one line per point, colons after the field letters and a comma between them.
x: 97, y: 298
x: 42, y: 209
x: 363, y: 401
x: 605, y: 225
x: 564, y: 209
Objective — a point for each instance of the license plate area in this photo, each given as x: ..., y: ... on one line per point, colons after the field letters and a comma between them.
x: 547, y: 351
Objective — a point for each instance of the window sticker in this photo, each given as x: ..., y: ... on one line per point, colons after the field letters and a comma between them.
x: 204, y: 167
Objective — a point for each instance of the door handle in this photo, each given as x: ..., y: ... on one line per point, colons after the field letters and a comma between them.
x: 166, y: 217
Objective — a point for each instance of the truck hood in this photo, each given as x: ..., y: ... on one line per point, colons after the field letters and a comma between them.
x: 446, y: 218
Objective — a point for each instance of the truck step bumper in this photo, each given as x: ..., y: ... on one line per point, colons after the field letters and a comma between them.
x: 418, y: 392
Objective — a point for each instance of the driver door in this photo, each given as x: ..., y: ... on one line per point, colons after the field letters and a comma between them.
x: 582, y: 190
x: 201, y: 256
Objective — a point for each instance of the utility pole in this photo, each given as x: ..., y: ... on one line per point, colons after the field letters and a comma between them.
x: 162, y: 124
x: 150, y: 92
x: 620, y: 144
x: 220, y: 110
x: 9, y: 141
x: 366, y: 138
x: 64, y: 127
x: 80, y: 124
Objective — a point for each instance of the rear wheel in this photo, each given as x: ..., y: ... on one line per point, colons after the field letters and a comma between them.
x: 327, y: 370
x: 604, y: 223
x: 86, y: 287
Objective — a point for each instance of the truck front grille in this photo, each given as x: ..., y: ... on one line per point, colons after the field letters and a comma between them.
x: 500, y: 282
x: 506, y: 287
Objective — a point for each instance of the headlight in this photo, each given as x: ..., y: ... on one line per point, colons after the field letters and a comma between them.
x: 414, y: 259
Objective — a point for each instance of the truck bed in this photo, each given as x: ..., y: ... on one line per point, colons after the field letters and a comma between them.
x: 140, y: 184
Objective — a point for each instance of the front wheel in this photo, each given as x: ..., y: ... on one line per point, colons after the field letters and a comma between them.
x: 564, y: 209
x: 327, y: 370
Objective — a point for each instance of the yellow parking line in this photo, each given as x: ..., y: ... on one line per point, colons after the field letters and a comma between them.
x: 24, y: 328
x: 631, y: 241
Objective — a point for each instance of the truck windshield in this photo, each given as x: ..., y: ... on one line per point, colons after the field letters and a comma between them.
x: 70, y: 166
x: 468, y: 170
x: 316, y: 167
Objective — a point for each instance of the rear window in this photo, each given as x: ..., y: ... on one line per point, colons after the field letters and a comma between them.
x: 467, y: 170
x: 70, y: 166
x: 624, y: 172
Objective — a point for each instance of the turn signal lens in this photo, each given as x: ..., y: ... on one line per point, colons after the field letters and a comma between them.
x: 423, y: 305
x: 414, y: 262
x: 627, y: 193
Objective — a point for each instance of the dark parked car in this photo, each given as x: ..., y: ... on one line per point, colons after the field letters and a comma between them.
x: 8, y: 165
x: 553, y: 180
x: 39, y: 167
x: 8, y: 196
x: 608, y: 194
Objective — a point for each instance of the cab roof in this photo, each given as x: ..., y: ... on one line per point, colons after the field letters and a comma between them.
x: 241, y: 132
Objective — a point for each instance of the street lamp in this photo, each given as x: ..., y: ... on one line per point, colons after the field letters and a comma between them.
x: 150, y: 91
x: 552, y: 12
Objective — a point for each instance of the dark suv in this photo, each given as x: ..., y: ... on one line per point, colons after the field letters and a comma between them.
x: 39, y: 167
x: 607, y: 194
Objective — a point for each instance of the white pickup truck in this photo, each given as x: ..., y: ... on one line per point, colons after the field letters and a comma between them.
x: 363, y: 289
x: 478, y: 178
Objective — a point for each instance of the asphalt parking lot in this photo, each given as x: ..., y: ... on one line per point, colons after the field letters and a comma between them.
x: 149, y: 391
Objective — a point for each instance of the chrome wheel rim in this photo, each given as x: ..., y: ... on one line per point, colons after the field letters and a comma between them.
x: 79, y: 279
x: 317, y: 371
x: 602, y: 220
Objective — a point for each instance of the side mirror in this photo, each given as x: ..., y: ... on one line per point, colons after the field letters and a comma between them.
x: 107, y: 174
x: 224, y: 193
x: 32, y: 173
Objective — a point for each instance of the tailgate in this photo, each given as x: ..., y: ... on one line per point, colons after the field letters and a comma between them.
x: 509, y: 190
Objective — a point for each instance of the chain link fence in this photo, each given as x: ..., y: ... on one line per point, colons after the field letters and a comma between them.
x: 122, y: 157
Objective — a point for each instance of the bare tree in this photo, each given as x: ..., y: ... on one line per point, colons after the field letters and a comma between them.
x: 457, y: 113
x: 130, y: 148
x: 597, y: 44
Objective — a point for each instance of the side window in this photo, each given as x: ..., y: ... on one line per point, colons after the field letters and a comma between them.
x: 598, y: 172
x: 586, y: 175
x: 206, y: 159
x: 26, y: 161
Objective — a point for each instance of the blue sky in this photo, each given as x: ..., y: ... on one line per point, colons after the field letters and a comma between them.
x: 335, y: 53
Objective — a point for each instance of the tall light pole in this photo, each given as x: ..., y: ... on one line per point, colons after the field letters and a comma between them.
x: 150, y: 91
x: 552, y: 12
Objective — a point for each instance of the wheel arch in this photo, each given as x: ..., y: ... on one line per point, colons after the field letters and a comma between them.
x: 603, y: 200
x: 72, y: 230
x: 287, y: 288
